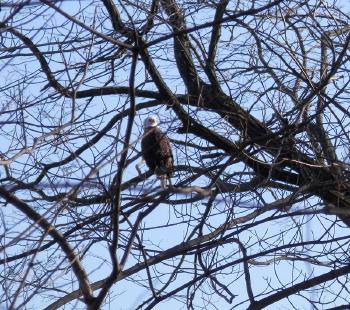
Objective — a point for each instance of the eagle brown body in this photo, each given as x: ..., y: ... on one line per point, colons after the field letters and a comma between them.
x: 156, y: 150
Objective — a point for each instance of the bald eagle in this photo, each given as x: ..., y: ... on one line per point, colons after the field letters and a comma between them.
x: 156, y: 150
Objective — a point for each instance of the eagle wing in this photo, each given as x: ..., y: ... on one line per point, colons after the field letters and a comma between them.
x: 157, y: 153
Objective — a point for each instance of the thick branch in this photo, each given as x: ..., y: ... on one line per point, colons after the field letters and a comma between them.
x: 72, y: 257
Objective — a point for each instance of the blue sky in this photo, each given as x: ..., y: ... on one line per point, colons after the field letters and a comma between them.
x: 162, y: 238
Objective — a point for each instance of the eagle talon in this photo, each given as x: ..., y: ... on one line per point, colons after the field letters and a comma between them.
x: 138, y: 165
x: 162, y: 183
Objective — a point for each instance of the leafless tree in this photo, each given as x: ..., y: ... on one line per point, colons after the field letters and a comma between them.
x: 255, y: 98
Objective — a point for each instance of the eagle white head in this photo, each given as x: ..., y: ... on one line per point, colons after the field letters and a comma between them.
x: 150, y: 122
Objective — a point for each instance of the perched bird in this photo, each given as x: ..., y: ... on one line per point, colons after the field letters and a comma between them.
x: 156, y: 151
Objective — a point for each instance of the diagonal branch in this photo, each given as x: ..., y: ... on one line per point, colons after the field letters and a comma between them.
x: 331, y: 275
x: 72, y: 257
